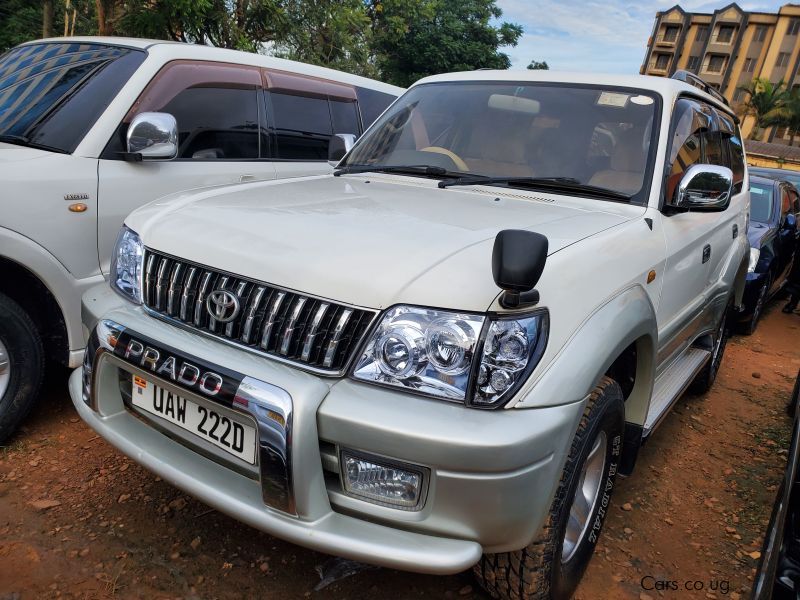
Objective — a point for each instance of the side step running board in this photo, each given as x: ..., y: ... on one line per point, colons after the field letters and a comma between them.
x: 671, y: 384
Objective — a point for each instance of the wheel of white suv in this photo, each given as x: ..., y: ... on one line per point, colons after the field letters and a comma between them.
x: 21, y: 365
x: 705, y: 378
x: 552, y: 565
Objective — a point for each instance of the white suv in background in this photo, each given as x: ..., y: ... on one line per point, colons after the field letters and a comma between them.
x: 91, y: 128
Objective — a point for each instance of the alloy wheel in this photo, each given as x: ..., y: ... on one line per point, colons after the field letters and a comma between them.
x: 585, y: 499
x: 5, y: 369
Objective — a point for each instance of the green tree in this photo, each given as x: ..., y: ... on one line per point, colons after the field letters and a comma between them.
x: 415, y: 38
x: 764, y: 103
x: 535, y: 65
x: 333, y: 33
x: 788, y: 115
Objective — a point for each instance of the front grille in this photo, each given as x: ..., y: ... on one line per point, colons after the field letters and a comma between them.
x: 310, y: 332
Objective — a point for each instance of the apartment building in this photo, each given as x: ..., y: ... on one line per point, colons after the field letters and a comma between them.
x: 728, y: 48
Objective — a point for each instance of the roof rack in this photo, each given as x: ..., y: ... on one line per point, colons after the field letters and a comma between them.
x: 695, y: 81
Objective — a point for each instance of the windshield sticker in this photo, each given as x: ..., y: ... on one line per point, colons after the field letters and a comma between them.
x: 612, y: 99
x: 642, y: 100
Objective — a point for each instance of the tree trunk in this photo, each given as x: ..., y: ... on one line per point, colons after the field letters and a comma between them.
x: 102, y: 18
x: 47, y: 18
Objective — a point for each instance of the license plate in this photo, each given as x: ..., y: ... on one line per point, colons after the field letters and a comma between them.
x: 238, y: 439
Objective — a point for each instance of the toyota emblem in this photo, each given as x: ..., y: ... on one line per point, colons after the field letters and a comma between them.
x: 222, y: 305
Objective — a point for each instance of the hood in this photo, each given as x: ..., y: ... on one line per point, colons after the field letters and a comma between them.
x: 756, y: 232
x: 370, y: 241
x: 13, y: 153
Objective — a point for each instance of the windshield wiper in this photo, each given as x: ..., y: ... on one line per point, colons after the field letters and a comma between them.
x: 21, y: 140
x: 411, y: 169
x: 545, y: 183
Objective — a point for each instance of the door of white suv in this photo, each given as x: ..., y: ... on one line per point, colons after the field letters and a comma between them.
x: 219, y: 111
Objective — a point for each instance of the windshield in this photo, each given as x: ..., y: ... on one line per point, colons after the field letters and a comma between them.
x: 52, y: 93
x: 593, y: 136
x: 760, y: 202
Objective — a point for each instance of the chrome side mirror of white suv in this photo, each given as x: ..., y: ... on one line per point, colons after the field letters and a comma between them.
x: 153, y: 136
x: 704, y: 187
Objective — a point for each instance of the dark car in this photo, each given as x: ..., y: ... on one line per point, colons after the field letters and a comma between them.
x: 792, y: 177
x: 772, y: 234
x: 778, y: 575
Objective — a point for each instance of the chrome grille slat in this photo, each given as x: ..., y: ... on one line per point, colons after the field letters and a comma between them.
x: 251, y: 313
x: 315, y: 334
x: 269, y: 324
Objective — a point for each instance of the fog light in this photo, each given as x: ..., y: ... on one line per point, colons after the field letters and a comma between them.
x: 382, y: 483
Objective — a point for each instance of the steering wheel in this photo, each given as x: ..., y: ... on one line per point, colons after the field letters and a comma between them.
x: 459, y: 162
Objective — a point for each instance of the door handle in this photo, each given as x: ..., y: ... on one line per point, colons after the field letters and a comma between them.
x: 244, y: 178
x: 706, y: 253
x: 735, y: 231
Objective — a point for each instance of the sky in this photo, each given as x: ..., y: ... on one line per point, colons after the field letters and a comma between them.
x: 607, y: 36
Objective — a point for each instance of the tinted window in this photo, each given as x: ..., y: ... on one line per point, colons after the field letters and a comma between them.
x: 344, y: 116
x: 732, y: 142
x: 372, y: 104
x: 761, y: 202
x: 690, y: 124
x: 216, y: 122
x: 53, y: 93
x: 302, y: 126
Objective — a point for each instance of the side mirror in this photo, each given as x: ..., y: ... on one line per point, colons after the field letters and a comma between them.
x: 153, y: 136
x: 518, y: 260
x: 340, y: 144
x: 704, y: 187
x: 790, y: 223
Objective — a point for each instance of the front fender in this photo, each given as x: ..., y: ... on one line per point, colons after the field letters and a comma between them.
x: 54, y: 276
x: 625, y: 319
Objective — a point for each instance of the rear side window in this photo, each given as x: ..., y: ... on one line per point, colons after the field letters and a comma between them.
x: 304, y: 124
x: 52, y: 93
x: 372, y: 104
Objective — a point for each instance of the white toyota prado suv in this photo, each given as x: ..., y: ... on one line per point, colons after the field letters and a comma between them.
x: 91, y: 128
x: 442, y: 355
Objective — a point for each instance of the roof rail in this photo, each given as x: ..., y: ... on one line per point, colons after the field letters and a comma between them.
x: 695, y: 81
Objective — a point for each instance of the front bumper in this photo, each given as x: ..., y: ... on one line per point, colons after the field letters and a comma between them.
x: 491, y: 474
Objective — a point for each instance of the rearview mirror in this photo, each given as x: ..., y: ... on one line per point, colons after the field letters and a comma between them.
x: 340, y: 145
x: 518, y: 259
x: 704, y: 187
x: 153, y: 136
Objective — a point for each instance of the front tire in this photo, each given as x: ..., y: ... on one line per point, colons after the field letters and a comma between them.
x: 21, y: 365
x: 552, y: 565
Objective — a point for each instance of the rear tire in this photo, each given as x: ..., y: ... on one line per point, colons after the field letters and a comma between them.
x: 21, y: 366
x: 552, y: 565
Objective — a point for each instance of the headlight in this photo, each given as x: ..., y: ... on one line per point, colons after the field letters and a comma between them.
x: 469, y: 358
x: 755, y: 253
x: 126, y: 265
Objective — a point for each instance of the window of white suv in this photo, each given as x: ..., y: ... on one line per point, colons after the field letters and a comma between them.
x: 590, y: 136
x: 52, y: 93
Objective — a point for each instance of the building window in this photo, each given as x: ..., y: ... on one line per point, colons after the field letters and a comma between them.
x: 749, y: 65
x: 670, y: 33
x: 715, y: 63
x: 739, y: 95
x: 702, y: 33
x: 724, y: 34
x: 693, y: 63
x: 760, y: 34
x: 794, y: 27
x: 662, y: 62
x: 783, y: 59
x: 782, y: 132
